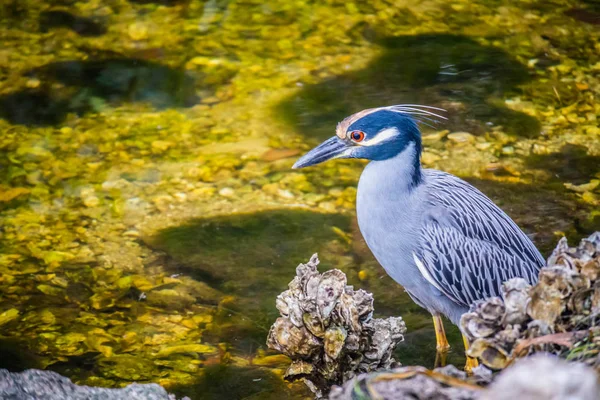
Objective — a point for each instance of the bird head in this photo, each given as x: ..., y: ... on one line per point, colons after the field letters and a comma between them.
x: 373, y: 134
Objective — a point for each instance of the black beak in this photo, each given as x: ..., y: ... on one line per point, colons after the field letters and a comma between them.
x: 331, y: 148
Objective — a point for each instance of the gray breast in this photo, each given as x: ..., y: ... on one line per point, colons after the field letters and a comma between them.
x: 389, y: 215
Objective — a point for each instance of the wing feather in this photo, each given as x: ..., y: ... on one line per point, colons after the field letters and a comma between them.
x: 468, y: 246
x: 476, y: 216
x: 467, y: 269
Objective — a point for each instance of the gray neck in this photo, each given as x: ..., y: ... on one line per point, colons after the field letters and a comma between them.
x: 399, y: 173
x: 389, y: 209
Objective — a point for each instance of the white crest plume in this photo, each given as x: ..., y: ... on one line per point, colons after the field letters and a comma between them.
x: 418, y: 112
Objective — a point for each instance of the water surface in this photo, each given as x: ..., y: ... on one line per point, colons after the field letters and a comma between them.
x: 149, y: 211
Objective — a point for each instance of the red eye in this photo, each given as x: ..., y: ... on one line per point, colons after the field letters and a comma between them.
x: 357, y: 136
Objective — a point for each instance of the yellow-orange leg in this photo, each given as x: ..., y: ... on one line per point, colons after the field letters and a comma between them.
x: 471, y: 362
x: 441, y: 342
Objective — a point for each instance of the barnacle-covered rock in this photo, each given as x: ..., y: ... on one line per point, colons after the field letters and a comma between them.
x: 386, y: 334
x: 561, y: 381
x: 333, y: 341
x: 291, y: 340
x: 490, y: 352
x: 547, y: 316
x: 595, y: 299
x: 326, y: 328
x: 495, y: 351
x: 545, y: 304
x: 299, y: 368
x: 415, y: 383
x: 484, y: 318
x: 537, y: 328
x: 331, y: 286
x: 516, y: 298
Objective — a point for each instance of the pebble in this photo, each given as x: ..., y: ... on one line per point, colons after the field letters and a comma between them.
x: 137, y: 31
x: 429, y: 158
x: 8, y: 315
x: 134, y: 201
x: 362, y: 275
x: 586, y: 187
x: 327, y: 206
x: 160, y: 146
x: 435, y: 137
x: 508, y: 150
x: 286, y: 194
x: 206, y: 191
x: 590, y: 198
x: 89, y: 200
x: 461, y: 137
x: 162, y: 202
x: 180, y: 196
x: 335, y: 192
x: 227, y: 192
x: 210, y: 100
x: 33, y: 83
x: 593, y: 130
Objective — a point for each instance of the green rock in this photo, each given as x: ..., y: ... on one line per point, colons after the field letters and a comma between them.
x: 8, y: 316
x: 170, y: 299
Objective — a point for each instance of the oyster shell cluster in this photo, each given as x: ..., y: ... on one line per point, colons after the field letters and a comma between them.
x: 327, y: 329
x: 559, y: 314
x: 562, y: 380
x: 415, y: 383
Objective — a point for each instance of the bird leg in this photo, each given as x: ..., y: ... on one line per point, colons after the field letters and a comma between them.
x: 471, y: 362
x: 442, y: 345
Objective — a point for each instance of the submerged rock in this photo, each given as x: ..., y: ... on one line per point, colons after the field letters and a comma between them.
x: 326, y: 328
x: 34, y: 384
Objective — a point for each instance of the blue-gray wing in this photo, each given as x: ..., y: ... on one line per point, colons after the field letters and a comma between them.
x: 467, y: 269
x: 469, y: 246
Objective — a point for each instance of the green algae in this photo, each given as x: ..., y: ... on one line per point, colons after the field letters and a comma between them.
x: 420, y: 69
x: 147, y: 204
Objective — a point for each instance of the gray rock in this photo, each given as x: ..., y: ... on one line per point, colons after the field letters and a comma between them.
x: 545, y: 377
x: 539, y: 377
x: 34, y: 384
x: 401, y: 384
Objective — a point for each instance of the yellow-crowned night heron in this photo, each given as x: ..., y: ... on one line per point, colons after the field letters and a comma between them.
x: 440, y: 238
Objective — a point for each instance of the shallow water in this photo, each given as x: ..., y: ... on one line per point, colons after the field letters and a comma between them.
x: 149, y: 212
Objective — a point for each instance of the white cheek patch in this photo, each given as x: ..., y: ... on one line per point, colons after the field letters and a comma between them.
x: 381, y: 137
